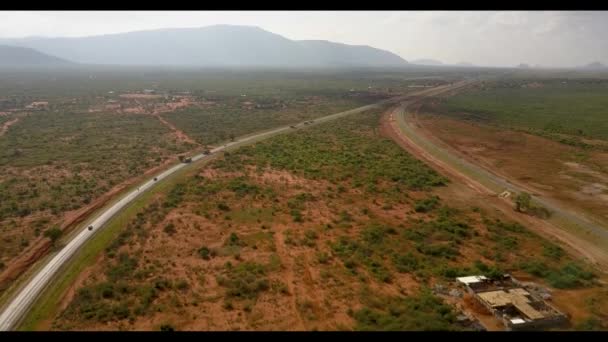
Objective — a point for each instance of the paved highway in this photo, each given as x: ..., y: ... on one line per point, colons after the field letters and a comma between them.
x: 26, y: 296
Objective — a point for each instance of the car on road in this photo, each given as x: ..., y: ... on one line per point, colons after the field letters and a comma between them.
x: 90, y: 227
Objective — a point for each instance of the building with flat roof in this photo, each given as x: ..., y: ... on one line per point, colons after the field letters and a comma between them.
x: 517, y: 307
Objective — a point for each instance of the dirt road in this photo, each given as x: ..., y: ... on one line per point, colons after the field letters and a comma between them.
x: 7, y: 124
x: 405, y: 132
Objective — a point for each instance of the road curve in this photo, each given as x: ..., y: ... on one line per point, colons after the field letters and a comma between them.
x: 503, y: 184
x: 561, y: 217
x: 26, y: 296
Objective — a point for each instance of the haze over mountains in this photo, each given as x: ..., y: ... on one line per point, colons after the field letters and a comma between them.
x: 20, y: 56
x: 595, y: 65
x: 211, y: 46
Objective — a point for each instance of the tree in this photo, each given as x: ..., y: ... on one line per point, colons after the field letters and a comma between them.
x: 53, y: 233
x: 167, y: 327
x: 181, y: 158
x: 231, y: 137
x: 523, y: 202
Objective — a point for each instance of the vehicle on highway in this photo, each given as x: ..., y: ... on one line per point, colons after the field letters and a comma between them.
x: 90, y: 227
x: 23, y: 300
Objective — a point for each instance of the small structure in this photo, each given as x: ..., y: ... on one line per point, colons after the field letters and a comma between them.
x: 39, y: 105
x: 517, y: 307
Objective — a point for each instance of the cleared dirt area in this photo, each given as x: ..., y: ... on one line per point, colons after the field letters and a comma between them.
x: 543, y: 166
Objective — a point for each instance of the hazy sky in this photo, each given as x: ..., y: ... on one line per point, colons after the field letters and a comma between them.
x: 482, y: 38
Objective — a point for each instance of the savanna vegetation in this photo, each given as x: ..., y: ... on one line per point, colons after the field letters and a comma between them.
x: 332, y: 227
x: 94, y: 130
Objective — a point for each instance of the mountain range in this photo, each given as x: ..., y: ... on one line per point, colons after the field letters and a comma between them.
x: 15, y: 56
x: 595, y: 65
x: 211, y: 46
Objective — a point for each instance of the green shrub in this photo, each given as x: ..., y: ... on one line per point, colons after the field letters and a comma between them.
x: 440, y: 250
x: 245, y: 281
x: 422, y: 311
x: 297, y: 215
x: 123, y: 269
x: 590, y: 324
x: 167, y: 327
x: 182, y: 285
x: 234, y: 240
x: 223, y: 206
x: 205, y: 253
x: 53, y: 234
x: 569, y: 276
x: 170, y: 229
x: 322, y: 257
x: 426, y: 205
x: 552, y: 251
x: 311, y: 234
x: 535, y: 268
x: 121, y: 311
x: 405, y: 263
x: 162, y: 284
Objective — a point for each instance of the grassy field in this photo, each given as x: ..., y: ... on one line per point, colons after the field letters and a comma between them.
x: 563, y: 109
x: 332, y: 227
